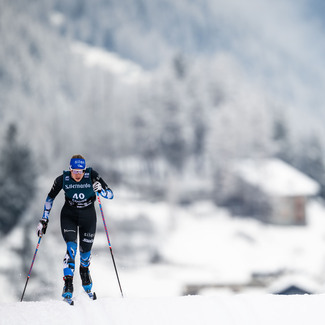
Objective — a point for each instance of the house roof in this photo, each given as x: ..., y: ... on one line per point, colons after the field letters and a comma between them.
x: 295, y: 283
x: 275, y: 177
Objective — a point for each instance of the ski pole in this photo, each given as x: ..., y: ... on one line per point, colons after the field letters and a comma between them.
x: 109, y: 243
x: 30, y: 270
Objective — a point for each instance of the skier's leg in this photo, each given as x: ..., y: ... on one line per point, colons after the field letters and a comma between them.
x: 87, y: 230
x: 69, y: 233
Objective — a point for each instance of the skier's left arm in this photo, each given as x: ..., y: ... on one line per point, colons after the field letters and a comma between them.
x: 99, y: 184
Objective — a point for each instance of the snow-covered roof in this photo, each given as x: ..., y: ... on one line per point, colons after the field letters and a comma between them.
x: 303, y: 282
x: 276, y: 177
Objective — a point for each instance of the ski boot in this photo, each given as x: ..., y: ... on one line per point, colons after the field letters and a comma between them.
x: 85, y: 278
x: 68, y: 287
x: 87, y: 282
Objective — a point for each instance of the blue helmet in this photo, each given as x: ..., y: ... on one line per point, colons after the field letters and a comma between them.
x: 77, y: 163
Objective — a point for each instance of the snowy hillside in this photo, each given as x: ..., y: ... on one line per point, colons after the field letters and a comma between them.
x: 202, y: 244
x: 191, y: 310
x: 154, y: 94
x: 196, y: 245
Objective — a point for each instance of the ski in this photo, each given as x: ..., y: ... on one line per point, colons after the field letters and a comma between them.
x: 69, y: 301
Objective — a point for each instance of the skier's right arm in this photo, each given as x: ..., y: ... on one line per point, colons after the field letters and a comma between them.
x: 56, y: 188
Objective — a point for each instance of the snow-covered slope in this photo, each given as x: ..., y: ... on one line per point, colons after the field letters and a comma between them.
x: 201, y: 245
x: 152, y: 293
x: 190, y: 310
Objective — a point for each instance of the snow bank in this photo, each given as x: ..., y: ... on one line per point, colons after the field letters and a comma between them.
x: 221, y: 309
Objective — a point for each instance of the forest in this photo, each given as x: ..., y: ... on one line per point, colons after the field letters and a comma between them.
x: 187, y: 114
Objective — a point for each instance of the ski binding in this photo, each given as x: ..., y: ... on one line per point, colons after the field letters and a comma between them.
x: 92, y: 295
x: 69, y: 301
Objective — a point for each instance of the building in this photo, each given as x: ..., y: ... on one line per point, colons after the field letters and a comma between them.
x: 279, y: 188
x: 294, y: 285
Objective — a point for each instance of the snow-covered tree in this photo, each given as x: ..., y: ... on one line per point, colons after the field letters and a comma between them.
x: 17, y: 180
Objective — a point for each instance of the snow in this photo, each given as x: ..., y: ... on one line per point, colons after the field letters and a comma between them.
x: 277, y: 178
x: 199, y: 244
x: 57, y: 19
x: 234, y: 248
x: 296, y: 280
x: 218, y: 309
x: 92, y: 56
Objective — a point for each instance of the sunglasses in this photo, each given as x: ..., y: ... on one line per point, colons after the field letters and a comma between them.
x: 77, y: 171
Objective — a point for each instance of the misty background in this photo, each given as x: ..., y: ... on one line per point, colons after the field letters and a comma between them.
x: 159, y: 96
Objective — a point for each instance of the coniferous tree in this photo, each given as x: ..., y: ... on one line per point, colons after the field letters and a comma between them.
x: 282, y: 140
x: 310, y: 160
x: 17, y: 180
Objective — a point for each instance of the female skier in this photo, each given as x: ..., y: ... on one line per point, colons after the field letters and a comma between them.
x: 80, y: 185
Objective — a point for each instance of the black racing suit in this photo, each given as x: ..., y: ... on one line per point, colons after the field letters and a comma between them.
x: 78, y: 213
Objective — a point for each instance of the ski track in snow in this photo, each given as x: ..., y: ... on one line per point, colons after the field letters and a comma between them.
x: 196, y: 310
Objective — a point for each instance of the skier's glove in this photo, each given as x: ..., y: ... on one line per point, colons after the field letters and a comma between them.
x: 41, y: 228
x: 97, y: 187
x: 107, y: 194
